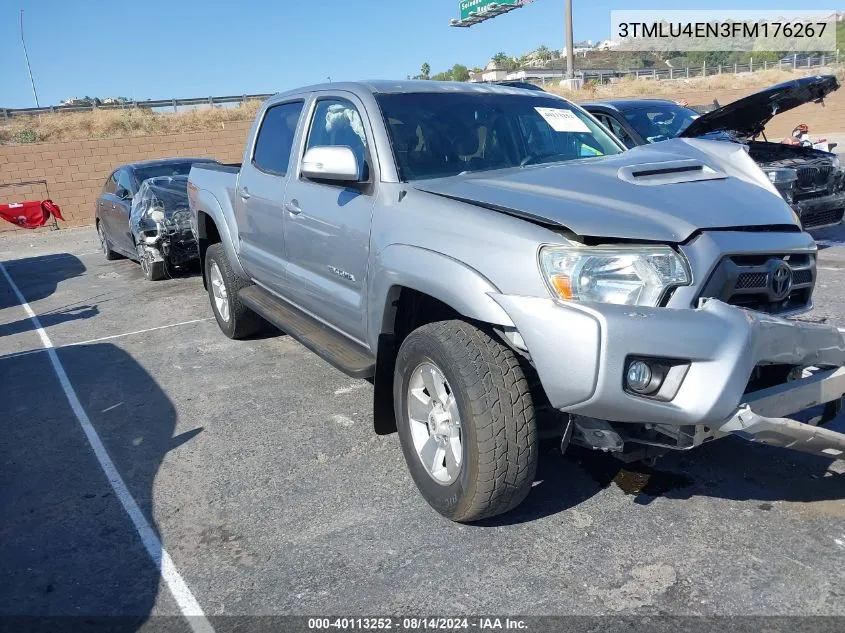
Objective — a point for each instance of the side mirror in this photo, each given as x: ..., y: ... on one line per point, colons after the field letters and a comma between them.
x: 123, y: 194
x: 335, y: 163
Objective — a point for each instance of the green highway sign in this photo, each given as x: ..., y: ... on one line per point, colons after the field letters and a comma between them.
x: 475, y: 11
x: 480, y: 7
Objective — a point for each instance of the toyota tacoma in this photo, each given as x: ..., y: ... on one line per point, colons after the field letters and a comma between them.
x: 491, y: 257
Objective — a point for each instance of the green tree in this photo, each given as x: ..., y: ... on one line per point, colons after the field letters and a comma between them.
x: 460, y: 73
x: 502, y: 61
x: 425, y: 71
x: 544, y: 54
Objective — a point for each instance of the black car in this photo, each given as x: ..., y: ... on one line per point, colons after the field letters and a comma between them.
x: 114, y: 206
x: 525, y: 85
x: 812, y: 181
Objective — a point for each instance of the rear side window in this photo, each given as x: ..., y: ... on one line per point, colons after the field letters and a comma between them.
x: 275, y: 138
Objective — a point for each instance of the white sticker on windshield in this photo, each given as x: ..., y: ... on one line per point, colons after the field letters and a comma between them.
x: 562, y: 120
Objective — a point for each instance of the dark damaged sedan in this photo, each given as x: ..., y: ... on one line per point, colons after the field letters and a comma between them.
x: 141, y: 214
x: 811, y: 180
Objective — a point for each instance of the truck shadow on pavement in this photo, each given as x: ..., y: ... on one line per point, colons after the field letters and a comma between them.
x: 70, y: 551
x: 52, y: 318
x: 730, y: 468
x: 40, y: 276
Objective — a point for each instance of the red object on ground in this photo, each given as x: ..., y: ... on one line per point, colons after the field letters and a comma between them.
x: 30, y: 215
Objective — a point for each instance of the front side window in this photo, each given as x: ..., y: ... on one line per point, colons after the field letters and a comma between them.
x: 111, y: 184
x: 660, y: 122
x: 124, y: 182
x: 275, y: 138
x: 444, y: 134
x: 336, y: 122
x: 618, y: 131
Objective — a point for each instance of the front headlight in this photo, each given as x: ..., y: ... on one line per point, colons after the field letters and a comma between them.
x: 623, y: 275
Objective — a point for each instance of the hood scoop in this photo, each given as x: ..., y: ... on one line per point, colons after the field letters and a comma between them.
x: 668, y: 173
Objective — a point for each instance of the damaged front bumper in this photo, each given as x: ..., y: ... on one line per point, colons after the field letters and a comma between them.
x: 166, y: 241
x: 582, y: 352
x: 821, y: 212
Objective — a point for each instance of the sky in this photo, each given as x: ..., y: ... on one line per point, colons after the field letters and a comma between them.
x: 161, y: 49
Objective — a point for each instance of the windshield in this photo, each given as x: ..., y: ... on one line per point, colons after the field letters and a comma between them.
x: 165, y: 169
x: 444, y: 134
x: 661, y: 121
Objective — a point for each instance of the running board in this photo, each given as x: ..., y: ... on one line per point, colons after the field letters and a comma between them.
x: 334, y: 348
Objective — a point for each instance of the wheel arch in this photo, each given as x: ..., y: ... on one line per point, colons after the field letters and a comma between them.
x: 409, y: 271
x: 212, y: 228
x: 414, y: 287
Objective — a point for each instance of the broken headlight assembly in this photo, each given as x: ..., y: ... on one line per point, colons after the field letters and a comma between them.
x: 621, y: 275
x: 783, y: 178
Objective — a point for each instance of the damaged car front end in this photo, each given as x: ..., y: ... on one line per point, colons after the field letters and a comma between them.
x: 812, y: 181
x: 160, y: 224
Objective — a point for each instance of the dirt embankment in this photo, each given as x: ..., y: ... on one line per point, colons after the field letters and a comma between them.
x: 822, y: 119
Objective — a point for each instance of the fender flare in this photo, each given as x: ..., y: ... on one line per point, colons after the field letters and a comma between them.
x: 208, y: 204
x: 459, y: 286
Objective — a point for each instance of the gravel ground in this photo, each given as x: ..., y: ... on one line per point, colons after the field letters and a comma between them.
x: 256, y: 465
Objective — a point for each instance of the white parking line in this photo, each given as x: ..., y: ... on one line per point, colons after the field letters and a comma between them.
x: 152, y: 329
x: 188, y: 605
x: 105, y: 338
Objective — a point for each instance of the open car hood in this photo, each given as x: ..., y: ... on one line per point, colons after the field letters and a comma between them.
x: 747, y: 117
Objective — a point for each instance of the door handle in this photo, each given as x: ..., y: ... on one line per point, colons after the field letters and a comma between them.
x: 293, y: 207
x: 245, y: 194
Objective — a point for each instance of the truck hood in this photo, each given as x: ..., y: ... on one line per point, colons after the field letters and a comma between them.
x: 663, y: 192
x: 748, y: 117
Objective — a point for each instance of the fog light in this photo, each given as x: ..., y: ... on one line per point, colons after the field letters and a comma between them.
x: 639, y: 376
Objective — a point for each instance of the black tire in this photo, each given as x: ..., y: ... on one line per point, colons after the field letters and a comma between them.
x: 105, y: 244
x: 242, y: 321
x: 497, y: 425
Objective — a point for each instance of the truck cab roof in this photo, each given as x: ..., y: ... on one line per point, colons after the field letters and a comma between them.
x: 385, y: 86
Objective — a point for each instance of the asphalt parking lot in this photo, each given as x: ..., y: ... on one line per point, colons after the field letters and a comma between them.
x: 255, y: 465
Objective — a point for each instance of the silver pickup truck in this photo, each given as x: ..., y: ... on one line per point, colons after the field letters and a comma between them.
x: 494, y: 261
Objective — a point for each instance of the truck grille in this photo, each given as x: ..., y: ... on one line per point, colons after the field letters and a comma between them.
x: 777, y: 283
x: 814, y: 176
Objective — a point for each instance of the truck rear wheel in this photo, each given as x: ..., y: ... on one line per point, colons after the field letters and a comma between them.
x: 465, y: 418
x: 234, y: 318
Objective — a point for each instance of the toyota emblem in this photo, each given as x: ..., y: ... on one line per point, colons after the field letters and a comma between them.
x: 781, y: 282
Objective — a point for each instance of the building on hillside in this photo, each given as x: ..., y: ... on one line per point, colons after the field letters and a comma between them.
x: 607, y: 45
x: 492, y: 72
x: 579, y: 48
x: 535, y: 74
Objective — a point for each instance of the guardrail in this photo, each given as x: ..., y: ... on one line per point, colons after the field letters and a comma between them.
x: 706, y: 70
x: 589, y: 75
x: 6, y: 113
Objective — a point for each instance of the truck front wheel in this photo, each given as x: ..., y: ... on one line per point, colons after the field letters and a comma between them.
x: 465, y: 418
x: 234, y: 318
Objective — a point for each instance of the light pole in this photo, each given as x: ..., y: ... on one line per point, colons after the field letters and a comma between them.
x: 570, y: 54
x: 29, y: 70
